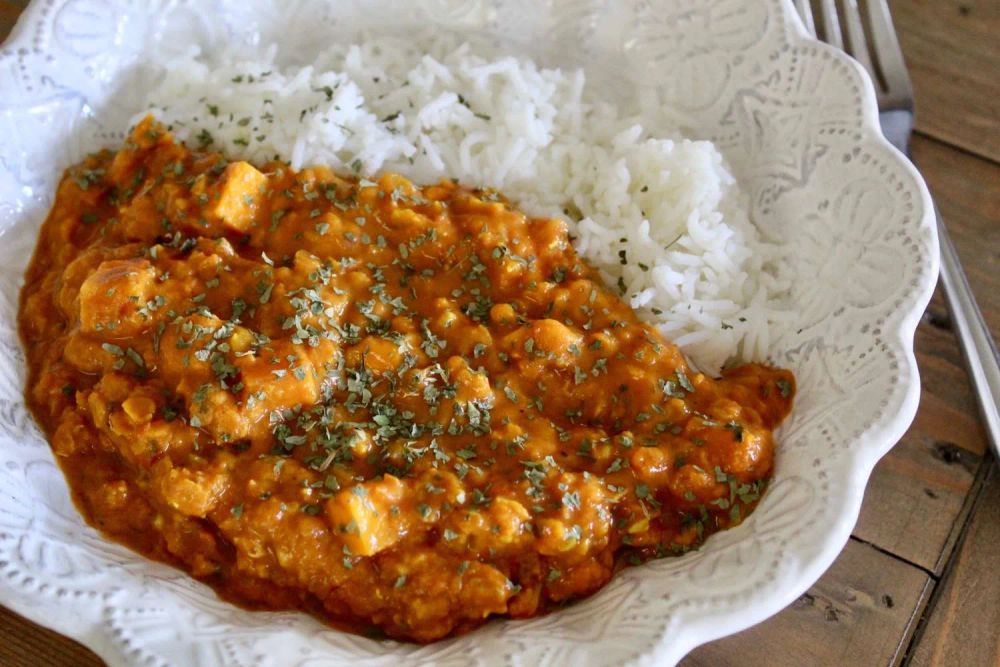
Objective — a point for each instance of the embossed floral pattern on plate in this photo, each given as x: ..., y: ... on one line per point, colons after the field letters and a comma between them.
x: 796, y: 120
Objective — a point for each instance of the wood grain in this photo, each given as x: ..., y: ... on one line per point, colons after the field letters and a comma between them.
x: 856, y: 614
x: 962, y: 628
x: 967, y: 191
x: 8, y: 16
x: 24, y: 644
x: 953, y: 52
x: 921, y: 487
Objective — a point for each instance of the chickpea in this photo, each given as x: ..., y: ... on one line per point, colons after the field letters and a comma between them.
x: 503, y: 314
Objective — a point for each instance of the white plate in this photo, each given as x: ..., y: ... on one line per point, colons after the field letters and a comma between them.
x: 797, y: 121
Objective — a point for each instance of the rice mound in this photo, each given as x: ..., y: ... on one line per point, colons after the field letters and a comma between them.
x: 661, y: 218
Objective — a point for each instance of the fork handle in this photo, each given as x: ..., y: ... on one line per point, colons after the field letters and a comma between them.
x: 973, y: 335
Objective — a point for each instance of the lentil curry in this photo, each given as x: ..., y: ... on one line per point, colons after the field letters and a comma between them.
x: 401, y: 409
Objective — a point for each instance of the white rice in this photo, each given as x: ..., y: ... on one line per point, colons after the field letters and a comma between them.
x: 666, y: 206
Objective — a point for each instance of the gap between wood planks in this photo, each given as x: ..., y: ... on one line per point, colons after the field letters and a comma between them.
x: 936, y: 582
x: 901, y: 559
x: 967, y: 152
x: 968, y: 510
x: 976, y: 494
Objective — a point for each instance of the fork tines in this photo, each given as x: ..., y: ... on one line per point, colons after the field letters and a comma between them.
x: 864, y: 29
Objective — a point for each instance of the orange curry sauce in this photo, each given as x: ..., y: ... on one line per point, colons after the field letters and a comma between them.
x: 398, y: 408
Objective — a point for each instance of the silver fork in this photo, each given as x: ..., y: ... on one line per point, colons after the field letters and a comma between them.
x: 863, y: 28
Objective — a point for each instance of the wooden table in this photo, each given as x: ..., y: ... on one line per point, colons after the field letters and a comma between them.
x: 917, y: 582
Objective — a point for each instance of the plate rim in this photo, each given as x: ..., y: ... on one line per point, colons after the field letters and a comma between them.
x: 871, y: 446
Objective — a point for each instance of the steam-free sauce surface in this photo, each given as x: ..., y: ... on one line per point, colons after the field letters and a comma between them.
x: 394, y: 407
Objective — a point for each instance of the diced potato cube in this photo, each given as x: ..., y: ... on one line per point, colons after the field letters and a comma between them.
x: 509, y: 517
x: 190, y: 492
x: 72, y: 436
x: 140, y: 409
x: 379, y: 355
x: 279, y: 384
x: 85, y: 354
x: 362, y: 515
x: 555, y: 537
x: 239, y: 190
x: 112, y: 297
